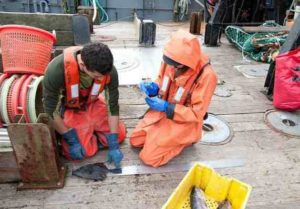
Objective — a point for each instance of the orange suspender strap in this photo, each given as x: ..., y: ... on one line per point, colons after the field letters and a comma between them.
x: 194, y: 83
x: 71, y: 77
x: 183, y: 93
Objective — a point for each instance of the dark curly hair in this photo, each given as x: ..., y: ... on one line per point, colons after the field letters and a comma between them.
x: 97, y: 57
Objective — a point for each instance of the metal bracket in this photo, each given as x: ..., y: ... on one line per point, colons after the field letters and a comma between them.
x: 34, y: 146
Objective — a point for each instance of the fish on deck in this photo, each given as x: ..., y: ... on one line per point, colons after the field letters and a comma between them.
x: 96, y: 171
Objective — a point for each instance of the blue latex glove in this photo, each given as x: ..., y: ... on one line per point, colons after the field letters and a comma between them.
x: 77, y: 152
x: 114, y: 153
x: 157, y: 104
x: 150, y: 88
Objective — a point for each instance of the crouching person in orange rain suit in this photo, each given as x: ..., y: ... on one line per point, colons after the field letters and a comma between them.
x: 178, y: 101
x: 83, y: 117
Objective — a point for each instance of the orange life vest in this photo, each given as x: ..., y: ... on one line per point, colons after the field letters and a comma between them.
x: 183, y: 93
x: 72, y: 80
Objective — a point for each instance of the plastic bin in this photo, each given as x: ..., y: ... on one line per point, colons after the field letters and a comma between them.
x: 217, y: 188
x: 25, y: 49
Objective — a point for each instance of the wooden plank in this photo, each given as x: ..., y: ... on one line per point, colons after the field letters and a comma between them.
x: 61, y: 23
x: 262, y: 29
x: 46, y: 21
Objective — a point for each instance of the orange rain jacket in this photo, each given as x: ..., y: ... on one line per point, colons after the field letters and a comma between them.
x: 163, y: 136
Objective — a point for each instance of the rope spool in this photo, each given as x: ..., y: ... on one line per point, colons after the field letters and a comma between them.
x: 15, y: 97
x: 4, y: 98
x: 34, y: 99
x: 2, y: 78
x: 23, y: 97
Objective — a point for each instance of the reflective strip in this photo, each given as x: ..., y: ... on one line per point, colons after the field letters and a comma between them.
x: 165, y: 83
x: 74, y: 91
x: 179, y: 94
x: 95, y: 89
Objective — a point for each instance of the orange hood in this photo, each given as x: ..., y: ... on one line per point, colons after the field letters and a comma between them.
x: 185, y: 49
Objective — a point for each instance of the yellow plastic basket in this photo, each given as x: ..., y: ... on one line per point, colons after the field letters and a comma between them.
x: 217, y: 188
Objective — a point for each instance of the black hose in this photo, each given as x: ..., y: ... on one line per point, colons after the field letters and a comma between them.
x: 233, y: 11
x: 255, y: 11
x: 237, y: 17
x: 207, y: 15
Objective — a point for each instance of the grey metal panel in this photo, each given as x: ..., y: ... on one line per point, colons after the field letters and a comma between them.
x: 13, y: 6
x: 149, y: 4
x: 138, y: 4
x: 157, y: 10
x: 27, y: 6
x: 103, y: 3
x: 166, y: 4
x: 52, y: 9
x: 127, y: 14
x: 159, y: 15
x: 120, y: 14
x: 56, y: 9
x: 125, y: 4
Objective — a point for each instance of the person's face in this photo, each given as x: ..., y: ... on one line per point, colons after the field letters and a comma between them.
x: 179, y: 66
x: 92, y: 73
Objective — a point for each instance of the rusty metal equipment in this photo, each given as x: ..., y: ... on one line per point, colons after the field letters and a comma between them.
x: 34, y: 146
x: 195, y: 23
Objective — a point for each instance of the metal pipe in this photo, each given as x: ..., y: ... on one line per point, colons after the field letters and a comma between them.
x: 233, y: 11
x: 35, y: 10
x: 199, y: 3
x: 46, y: 6
x: 95, y: 10
x: 28, y: 4
x: 239, y: 13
